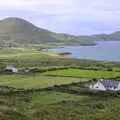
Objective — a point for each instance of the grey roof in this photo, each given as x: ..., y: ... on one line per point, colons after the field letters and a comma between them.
x: 110, y: 83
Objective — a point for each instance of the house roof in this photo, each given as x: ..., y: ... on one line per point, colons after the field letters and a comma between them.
x: 110, y: 83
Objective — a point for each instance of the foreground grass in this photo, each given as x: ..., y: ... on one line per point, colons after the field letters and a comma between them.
x: 83, y: 73
x: 35, y: 81
x: 50, y: 105
x: 51, y: 97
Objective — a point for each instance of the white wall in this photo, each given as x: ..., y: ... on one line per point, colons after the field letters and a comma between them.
x: 97, y: 86
x: 118, y: 87
x: 13, y: 69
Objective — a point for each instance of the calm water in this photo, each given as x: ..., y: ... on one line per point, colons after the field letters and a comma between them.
x: 108, y: 51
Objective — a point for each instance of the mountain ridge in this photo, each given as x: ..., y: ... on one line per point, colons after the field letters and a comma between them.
x: 21, y: 31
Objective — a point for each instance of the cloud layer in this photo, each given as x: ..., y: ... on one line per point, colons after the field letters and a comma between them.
x: 71, y: 16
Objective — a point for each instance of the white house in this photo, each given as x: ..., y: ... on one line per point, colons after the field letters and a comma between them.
x: 11, y: 69
x: 104, y: 85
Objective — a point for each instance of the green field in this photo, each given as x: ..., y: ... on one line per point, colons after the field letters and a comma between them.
x: 50, y: 97
x: 26, y: 55
x: 35, y: 81
x: 50, y: 105
x: 55, y: 103
x: 28, y: 58
x: 83, y: 73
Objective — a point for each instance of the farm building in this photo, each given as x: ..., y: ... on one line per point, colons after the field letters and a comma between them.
x: 104, y: 85
x: 11, y: 69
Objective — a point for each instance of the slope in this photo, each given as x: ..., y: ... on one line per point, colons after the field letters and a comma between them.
x: 18, y: 30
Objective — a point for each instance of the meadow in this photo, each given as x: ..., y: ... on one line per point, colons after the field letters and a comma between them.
x: 52, y: 97
x: 83, y: 73
x: 34, y: 58
x: 54, y: 104
x: 35, y: 81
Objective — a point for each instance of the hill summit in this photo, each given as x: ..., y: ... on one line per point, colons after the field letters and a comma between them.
x: 20, y: 31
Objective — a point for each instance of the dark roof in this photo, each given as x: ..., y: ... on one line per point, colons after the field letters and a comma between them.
x: 110, y: 83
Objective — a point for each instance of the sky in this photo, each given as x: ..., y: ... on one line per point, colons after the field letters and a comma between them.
x: 78, y: 17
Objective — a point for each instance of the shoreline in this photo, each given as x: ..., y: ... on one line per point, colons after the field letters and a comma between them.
x: 64, y: 54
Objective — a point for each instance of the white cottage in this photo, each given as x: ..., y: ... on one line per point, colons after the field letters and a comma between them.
x: 104, y: 85
x: 11, y: 69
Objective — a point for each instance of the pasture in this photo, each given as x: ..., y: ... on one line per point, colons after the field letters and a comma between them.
x: 50, y: 97
x: 26, y: 55
x: 38, y: 59
x: 83, y: 73
x: 53, y: 104
x: 35, y: 81
x: 58, y: 106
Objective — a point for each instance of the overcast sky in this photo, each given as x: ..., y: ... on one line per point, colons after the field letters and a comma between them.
x: 68, y: 16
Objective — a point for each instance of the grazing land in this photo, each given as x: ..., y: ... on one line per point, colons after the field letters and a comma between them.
x: 35, y: 81
x: 58, y: 105
x: 51, y: 97
x: 52, y: 89
x: 83, y: 73
x: 35, y: 59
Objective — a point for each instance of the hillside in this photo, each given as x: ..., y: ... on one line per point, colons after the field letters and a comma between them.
x: 22, y: 31
x: 16, y: 30
x: 107, y: 37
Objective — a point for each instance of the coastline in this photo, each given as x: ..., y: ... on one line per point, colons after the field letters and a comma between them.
x: 64, y: 54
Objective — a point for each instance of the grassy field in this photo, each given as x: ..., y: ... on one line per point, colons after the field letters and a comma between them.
x: 50, y: 105
x: 35, y: 81
x: 50, y: 97
x: 54, y: 104
x: 83, y: 73
x: 33, y: 58
x: 26, y: 55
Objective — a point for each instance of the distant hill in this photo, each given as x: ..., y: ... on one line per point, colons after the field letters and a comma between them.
x: 18, y: 31
x: 107, y: 37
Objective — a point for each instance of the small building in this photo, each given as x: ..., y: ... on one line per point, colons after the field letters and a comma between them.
x: 10, y: 68
x: 105, y: 85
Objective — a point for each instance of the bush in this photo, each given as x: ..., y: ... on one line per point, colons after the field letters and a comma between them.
x: 98, y: 106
